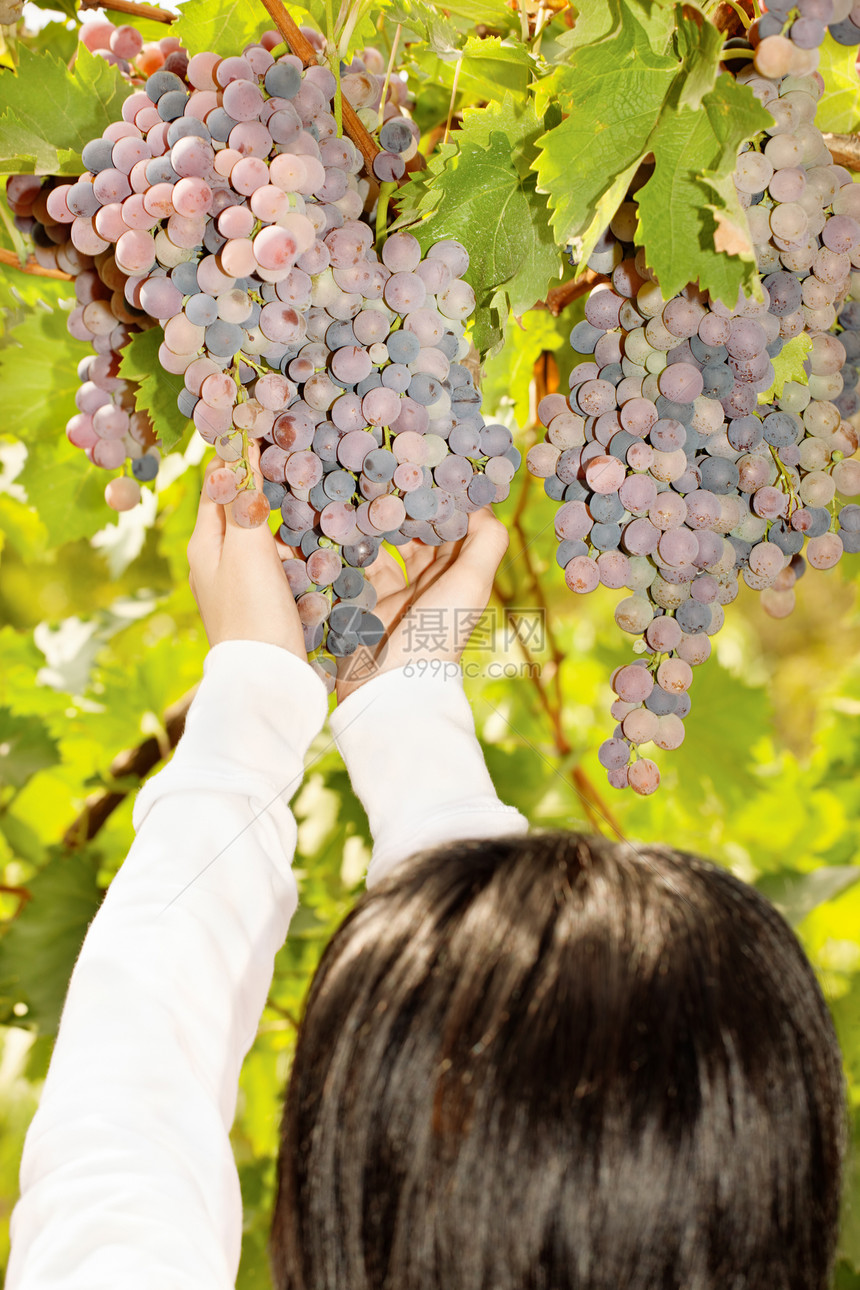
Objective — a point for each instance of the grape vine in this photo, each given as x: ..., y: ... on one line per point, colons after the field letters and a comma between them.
x: 317, y: 278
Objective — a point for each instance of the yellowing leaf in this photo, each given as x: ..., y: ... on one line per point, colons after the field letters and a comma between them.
x: 839, y: 106
x: 789, y: 366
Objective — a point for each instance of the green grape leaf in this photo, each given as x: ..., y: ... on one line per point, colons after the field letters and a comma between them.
x: 630, y: 92
x: 508, y: 375
x: 22, y: 527
x: 38, y: 950
x: 604, y: 210
x: 699, y: 46
x: 223, y: 26
x: 839, y: 107
x: 157, y: 389
x: 48, y: 114
x: 788, y: 366
x: 494, y: 14
x: 66, y: 490
x: 486, y: 68
x: 68, y: 7
x: 679, y: 233
x: 731, y: 234
x: 38, y: 374
x: 613, y: 91
x: 515, y: 118
x: 484, y: 203
x: 424, y: 23
x: 60, y: 38
x: 26, y: 747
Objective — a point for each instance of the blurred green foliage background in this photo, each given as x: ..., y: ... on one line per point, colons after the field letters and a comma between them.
x: 101, y: 637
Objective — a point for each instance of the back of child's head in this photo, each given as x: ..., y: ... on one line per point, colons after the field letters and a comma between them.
x: 559, y: 1063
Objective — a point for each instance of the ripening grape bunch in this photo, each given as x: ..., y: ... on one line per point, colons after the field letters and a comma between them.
x: 230, y: 213
x: 675, y: 481
x: 107, y: 426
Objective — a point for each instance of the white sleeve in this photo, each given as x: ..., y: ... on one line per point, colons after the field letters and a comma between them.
x: 408, y: 741
x: 127, y: 1177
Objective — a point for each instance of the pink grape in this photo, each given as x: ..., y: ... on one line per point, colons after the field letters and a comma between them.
x: 337, y: 520
x: 387, y: 513
x: 354, y: 447
x: 250, y: 509
x: 637, y: 493
x: 324, y: 566
x: 314, y: 608
x: 663, y: 634
x: 613, y: 754
x: 825, y: 551
x: 643, y: 776
x: 222, y: 485
x: 122, y: 494
x: 670, y: 732
x: 640, y: 726
x: 108, y: 453
x: 605, y: 474
x: 303, y: 470
x: 614, y: 569
x: 633, y: 683
x: 674, y: 675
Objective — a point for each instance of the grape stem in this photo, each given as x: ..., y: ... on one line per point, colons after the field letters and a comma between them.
x: 303, y: 49
x: 549, y: 691
x: 785, y: 479
x: 558, y: 298
x: 30, y: 266
x: 456, y: 82
x: 385, y: 192
x: 152, y: 12
x: 249, y: 474
x: 389, y: 69
x: 334, y: 64
x: 746, y: 21
x: 24, y: 897
x: 542, y: 21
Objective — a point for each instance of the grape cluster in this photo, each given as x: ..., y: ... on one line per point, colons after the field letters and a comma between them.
x: 64, y: 236
x: 106, y: 426
x: 790, y: 29
x: 125, y: 48
x: 233, y: 216
x: 678, y: 470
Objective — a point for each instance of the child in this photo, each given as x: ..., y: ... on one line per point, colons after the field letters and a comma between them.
x: 527, y: 1063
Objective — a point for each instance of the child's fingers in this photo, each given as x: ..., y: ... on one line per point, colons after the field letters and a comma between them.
x: 210, y: 523
x: 485, y: 544
x: 259, y: 532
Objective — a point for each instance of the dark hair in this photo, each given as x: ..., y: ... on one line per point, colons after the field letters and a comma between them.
x: 559, y: 1063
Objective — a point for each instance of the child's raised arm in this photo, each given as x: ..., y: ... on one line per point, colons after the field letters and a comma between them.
x: 128, y: 1176
x: 407, y: 734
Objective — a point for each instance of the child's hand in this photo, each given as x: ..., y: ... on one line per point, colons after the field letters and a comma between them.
x: 449, y: 589
x: 237, y: 578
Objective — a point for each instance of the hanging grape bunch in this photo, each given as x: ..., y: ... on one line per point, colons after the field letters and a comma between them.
x: 674, y: 480
x: 229, y: 211
x: 65, y: 236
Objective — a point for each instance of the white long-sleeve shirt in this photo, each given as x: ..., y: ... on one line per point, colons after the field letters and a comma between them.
x: 127, y: 1175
